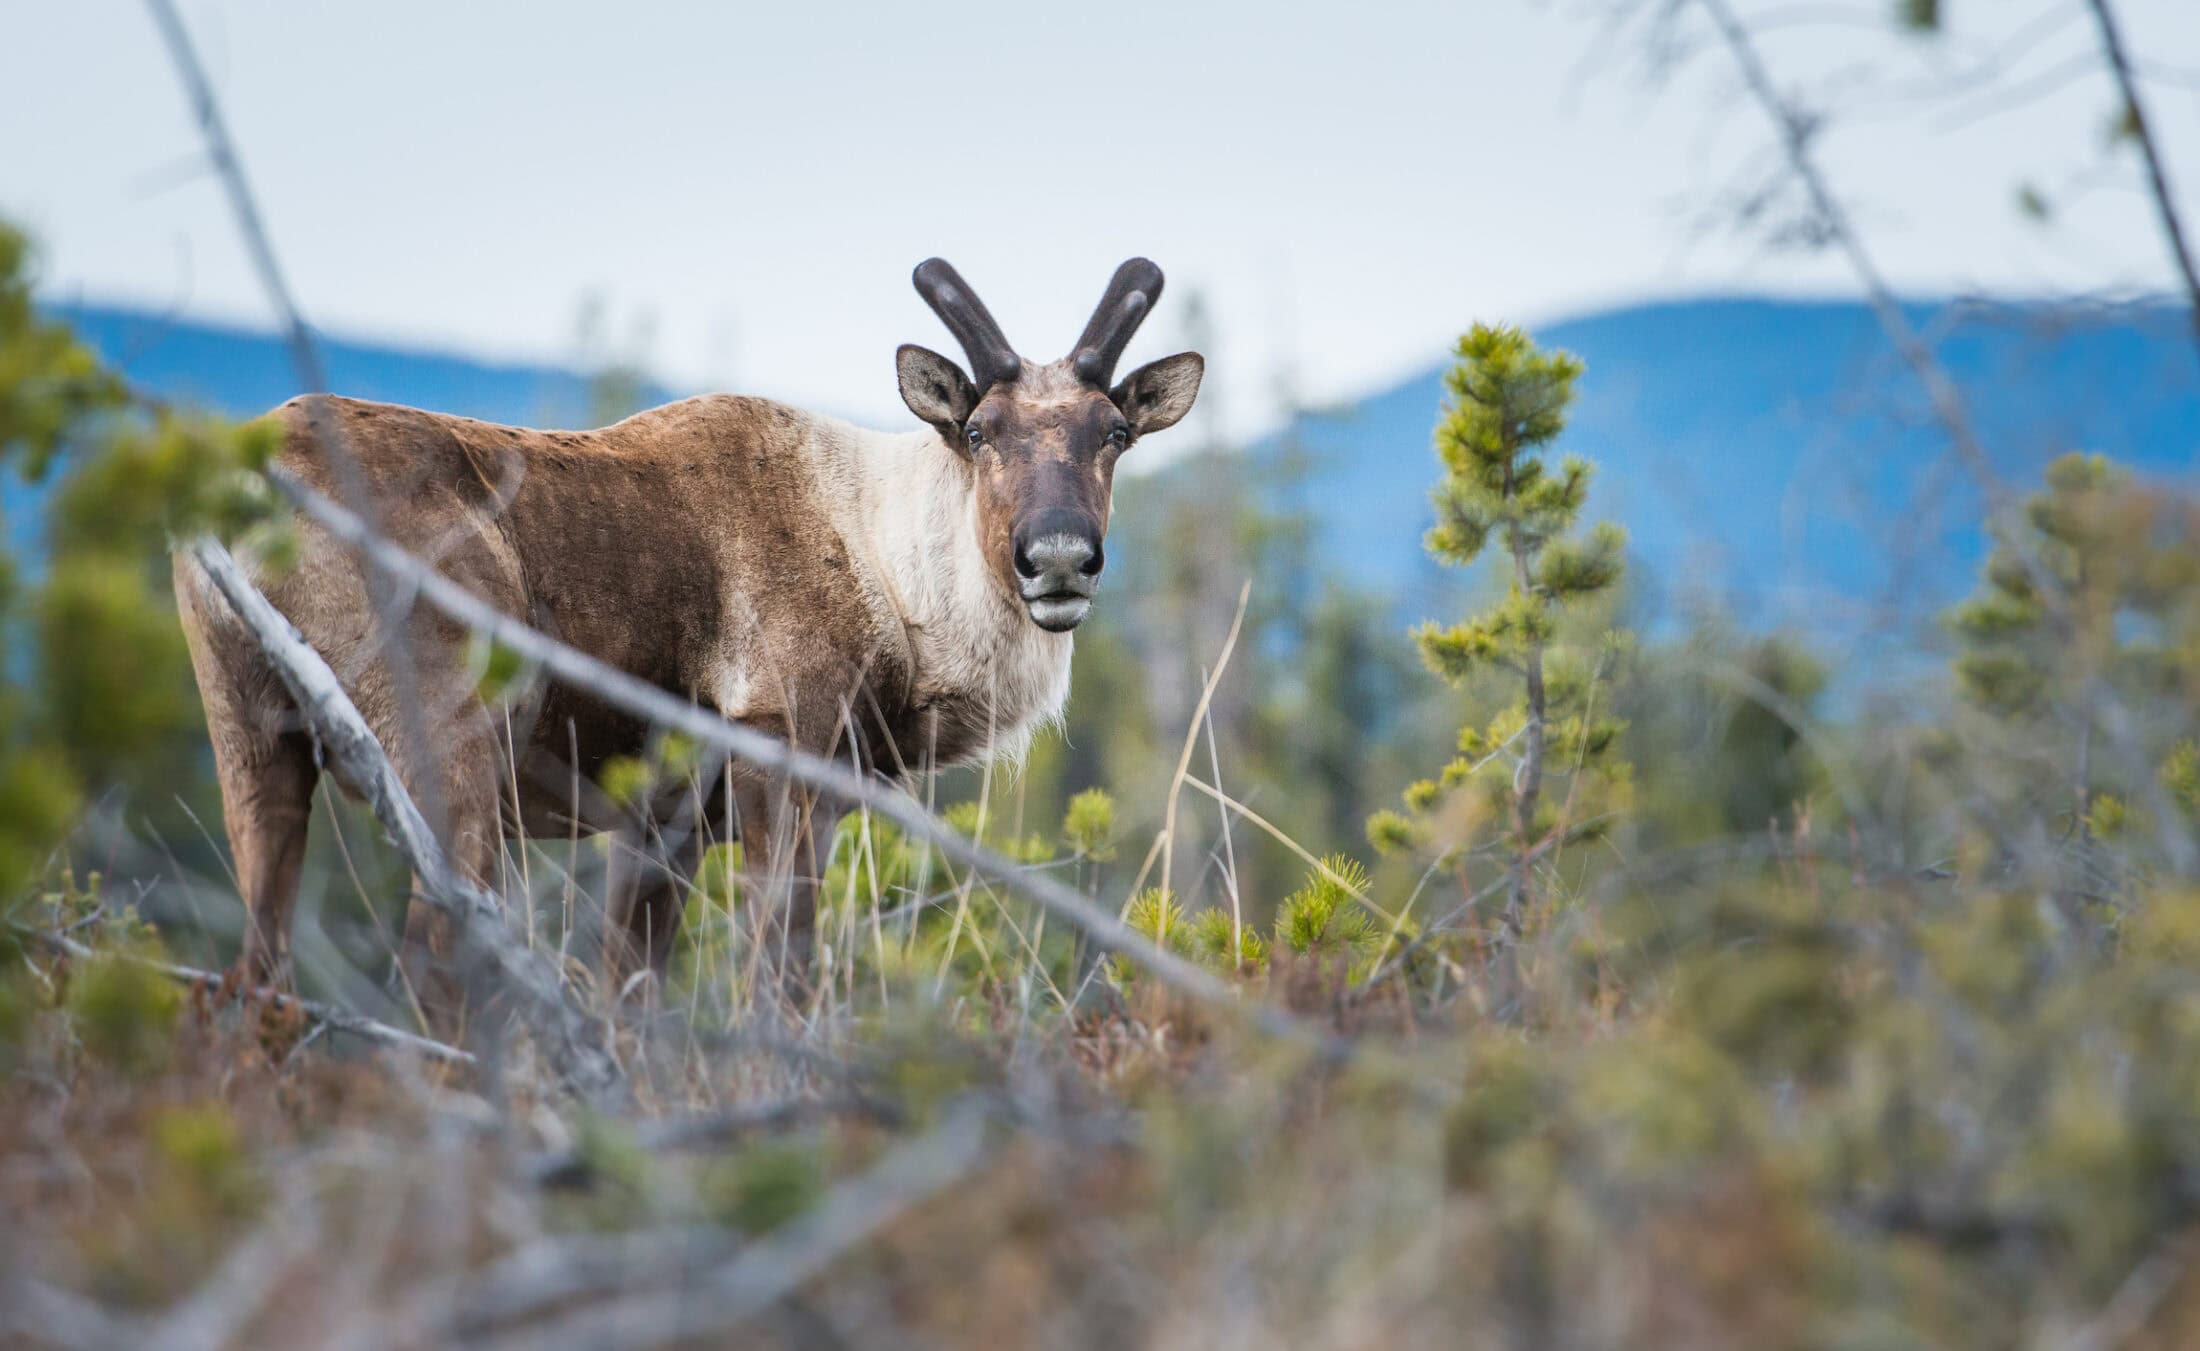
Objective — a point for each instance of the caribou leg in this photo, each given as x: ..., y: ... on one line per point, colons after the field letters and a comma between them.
x: 787, y: 835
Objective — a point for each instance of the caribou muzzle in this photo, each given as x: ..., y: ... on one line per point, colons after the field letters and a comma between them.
x: 1058, y: 562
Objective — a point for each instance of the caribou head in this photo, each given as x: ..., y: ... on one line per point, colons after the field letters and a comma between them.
x: 1043, y: 440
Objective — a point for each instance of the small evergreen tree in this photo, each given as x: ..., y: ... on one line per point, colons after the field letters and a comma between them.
x: 95, y: 685
x: 2086, y: 612
x: 1507, y: 406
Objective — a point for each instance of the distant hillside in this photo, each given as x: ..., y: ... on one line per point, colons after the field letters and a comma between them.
x: 1774, y: 453
x: 243, y: 372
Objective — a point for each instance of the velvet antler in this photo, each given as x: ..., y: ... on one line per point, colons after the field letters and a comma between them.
x: 1131, y: 297
x: 992, y: 360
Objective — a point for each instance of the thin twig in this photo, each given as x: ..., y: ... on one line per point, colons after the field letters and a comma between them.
x: 328, y: 1015
x: 569, y: 1268
x: 2142, y: 131
x: 1276, y: 833
x: 1191, y: 736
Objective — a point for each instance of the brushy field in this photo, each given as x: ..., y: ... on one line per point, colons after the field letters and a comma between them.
x: 1798, y: 1104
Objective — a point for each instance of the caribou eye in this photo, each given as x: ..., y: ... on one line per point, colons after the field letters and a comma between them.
x: 1119, y: 436
x: 975, y: 437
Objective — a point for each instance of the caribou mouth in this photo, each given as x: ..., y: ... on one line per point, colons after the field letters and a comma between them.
x: 1059, y: 611
x: 1058, y: 603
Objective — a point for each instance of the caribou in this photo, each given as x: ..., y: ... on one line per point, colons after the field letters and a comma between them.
x: 904, y: 600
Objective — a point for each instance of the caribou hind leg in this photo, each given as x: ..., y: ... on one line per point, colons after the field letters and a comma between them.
x: 266, y: 769
x: 267, y: 788
x: 467, y: 793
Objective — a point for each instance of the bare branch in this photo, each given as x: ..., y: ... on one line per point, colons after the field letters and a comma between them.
x: 1796, y: 131
x: 571, y: 1039
x: 2137, y: 1300
x: 48, y: 1315
x: 2165, y: 203
x: 571, y: 1167
x: 357, y: 1025
x: 777, y: 1266
x: 227, y: 1301
x: 573, y: 1268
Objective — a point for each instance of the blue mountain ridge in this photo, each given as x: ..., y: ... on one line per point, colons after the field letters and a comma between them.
x: 242, y: 372
x: 1775, y: 456
x: 1771, y: 454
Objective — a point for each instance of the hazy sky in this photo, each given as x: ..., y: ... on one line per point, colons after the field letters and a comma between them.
x: 1348, y: 185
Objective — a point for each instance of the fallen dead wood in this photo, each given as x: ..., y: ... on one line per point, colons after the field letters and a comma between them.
x: 571, y: 1040
x: 766, y: 1271
x: 572, y: 1167
x: 572, y: 1269
x: 341, y: 1020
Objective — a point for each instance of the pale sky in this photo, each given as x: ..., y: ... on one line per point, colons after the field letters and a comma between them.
x: 1349, y: 186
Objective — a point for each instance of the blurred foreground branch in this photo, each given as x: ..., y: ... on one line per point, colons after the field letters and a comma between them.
x: 576, y: 1166
x: 572, y: 1040
x: 767, y: 1271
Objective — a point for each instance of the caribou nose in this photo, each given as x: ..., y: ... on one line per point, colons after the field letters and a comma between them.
x: 1057, y: 568
x: 1057, y: 556
x: 1058, y: 550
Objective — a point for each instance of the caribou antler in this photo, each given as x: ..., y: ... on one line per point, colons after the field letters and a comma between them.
x: 1131, y: 296
x: 992, y: 360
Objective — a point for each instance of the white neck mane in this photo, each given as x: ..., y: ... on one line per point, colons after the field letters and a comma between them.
x: 912, y: 505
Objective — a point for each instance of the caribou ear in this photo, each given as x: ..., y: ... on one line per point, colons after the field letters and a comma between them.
x: 1159, y: 393
x: 935, y: 389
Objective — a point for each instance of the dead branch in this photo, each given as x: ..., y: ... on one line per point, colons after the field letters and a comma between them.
x: 2142, y: 131
x: 571, y: 1039
x: 572, y: 1167
x: 2138, y: 1299
x: 571, y: 1269
x: 776, y: 1266
x: 47, y: 1315
x: 226, y: 1303
x: 328, y: 1015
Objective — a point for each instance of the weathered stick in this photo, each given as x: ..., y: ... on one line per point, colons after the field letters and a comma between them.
x: 564, y: 1270
x: 2150, y: 153
x: 358, y: 1025
x: 776, y: 1266
x: 571, y: 1167
x: 571, y: 1040
x: 706, y: 728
